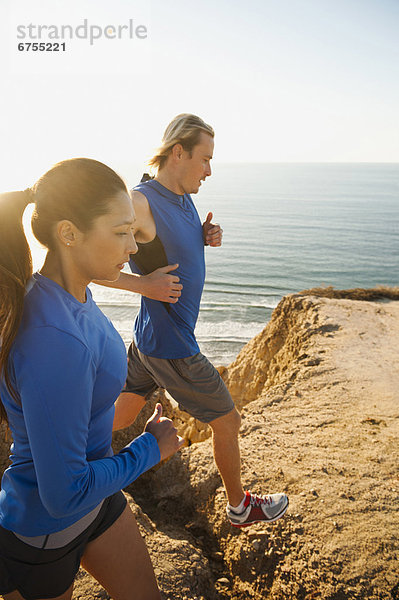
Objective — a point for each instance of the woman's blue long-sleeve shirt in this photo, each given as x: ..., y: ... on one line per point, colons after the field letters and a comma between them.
x: 68, y: 365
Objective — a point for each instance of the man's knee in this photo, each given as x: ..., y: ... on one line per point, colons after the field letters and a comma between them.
x: 230, y: 422
x: 236, y: 419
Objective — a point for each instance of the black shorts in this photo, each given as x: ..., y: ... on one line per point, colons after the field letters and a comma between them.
x: 38, y: 573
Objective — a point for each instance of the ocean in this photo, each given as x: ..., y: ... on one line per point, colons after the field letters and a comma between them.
x: 287, y: 227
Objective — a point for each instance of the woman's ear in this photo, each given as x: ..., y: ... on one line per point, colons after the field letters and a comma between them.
x: 67, y: 233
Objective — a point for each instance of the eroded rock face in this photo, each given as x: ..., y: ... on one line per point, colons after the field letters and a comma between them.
x: 274, y: 356
x: 318, y: 392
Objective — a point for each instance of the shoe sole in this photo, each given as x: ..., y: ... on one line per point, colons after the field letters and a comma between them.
x: 276, y: 518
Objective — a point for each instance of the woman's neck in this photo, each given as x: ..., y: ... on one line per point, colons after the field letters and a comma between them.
x: 61, y: 271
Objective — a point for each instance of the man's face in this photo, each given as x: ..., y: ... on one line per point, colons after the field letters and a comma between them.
x: 196, y: 166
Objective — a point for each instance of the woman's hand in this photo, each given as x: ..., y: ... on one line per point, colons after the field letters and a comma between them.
x: 165, y: 433
x: 161, y: 285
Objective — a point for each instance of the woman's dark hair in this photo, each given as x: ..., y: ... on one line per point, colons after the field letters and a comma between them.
x: 79, y: 190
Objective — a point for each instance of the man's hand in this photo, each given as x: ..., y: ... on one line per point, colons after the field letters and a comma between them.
x: 160, y: 285
x: 212, y: 232
x: 165, y: 433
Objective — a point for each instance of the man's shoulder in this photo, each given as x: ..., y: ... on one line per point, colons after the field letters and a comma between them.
x: 144, y: 187
x: 140, y: 204
x: 139, y: 199
x: 144, y: 223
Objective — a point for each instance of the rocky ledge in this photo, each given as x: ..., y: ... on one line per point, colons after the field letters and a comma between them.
x: 318, y: 392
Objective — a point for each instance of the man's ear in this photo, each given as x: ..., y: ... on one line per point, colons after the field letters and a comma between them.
x: 177, y: 152
x: 67, y: 233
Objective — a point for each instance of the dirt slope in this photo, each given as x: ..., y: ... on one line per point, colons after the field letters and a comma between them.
x: 318, y: 389
x: 325, y: 428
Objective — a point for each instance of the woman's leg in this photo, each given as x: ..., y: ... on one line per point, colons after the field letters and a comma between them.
x: 119, y: 560
x: 17, y: 596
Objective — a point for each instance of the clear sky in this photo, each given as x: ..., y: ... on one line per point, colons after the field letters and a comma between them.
x: 280, y: 81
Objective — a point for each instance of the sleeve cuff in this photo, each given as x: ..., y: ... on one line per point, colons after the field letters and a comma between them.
x: 154, y: 445
x: 147, y: 446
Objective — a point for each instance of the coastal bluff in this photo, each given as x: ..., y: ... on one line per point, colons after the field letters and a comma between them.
x: 318, y: 390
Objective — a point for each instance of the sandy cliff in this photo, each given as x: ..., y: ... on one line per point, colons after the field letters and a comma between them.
x: 318, y: 390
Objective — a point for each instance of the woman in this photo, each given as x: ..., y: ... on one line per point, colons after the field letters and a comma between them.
x: 62, y: 367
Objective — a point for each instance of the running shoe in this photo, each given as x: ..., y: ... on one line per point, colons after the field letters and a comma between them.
x: 258, y: 508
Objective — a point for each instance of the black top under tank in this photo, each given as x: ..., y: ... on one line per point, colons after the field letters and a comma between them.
x: 150, y: 256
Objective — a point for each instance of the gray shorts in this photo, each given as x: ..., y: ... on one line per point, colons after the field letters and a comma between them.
x: 193, y: 382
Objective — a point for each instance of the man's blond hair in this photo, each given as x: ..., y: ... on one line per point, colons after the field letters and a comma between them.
x: 185, y: 129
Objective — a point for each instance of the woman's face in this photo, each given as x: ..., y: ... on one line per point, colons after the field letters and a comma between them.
x: 103, y: 250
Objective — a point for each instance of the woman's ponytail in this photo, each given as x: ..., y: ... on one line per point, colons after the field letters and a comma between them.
x: 15, y: 272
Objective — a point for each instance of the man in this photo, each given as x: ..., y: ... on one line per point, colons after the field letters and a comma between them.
x: 164, y: 352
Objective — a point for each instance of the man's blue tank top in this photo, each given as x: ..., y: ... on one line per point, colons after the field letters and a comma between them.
x: 167, y: 330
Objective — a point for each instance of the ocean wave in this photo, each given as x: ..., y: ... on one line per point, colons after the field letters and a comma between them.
x: 117, y: 304
x: 223, y: 306
x: 221, y: 285
x: 227, y: 330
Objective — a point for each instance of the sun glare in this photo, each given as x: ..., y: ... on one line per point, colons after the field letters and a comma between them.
x: 37, y: 250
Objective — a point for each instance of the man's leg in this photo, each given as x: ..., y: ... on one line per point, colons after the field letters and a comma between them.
x: 139, y: 386
x: 226, y: 452
x: 198, y: 388
x: 127, y: 407
x: 244, y: 508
